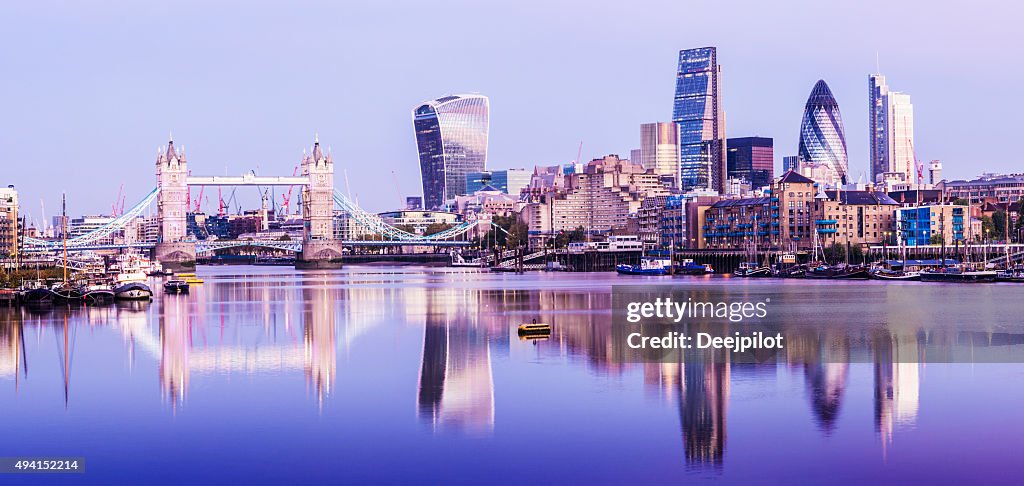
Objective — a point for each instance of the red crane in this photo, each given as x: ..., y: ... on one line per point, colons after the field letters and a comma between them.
x: 113, y: 207
x: 199, y: 199
x: 288, y: 197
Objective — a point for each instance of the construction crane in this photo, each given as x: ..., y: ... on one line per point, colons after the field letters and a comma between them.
x: 918, y: 164
x: 113, y: 207
x: 199, y: 199
x: 288, y: 197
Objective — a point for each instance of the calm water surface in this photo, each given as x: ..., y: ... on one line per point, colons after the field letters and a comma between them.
x: 394, y: 375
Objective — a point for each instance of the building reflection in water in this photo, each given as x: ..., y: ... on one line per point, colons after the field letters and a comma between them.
x: 319, y: 341
x: 12, y: 346
x: 175, y: 347
x: 896, y: 363
x: 825, y: 359
x: 456, y: 388
x: 703, y: 403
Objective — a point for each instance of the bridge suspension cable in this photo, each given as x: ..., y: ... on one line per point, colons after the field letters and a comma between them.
x: 375, y: 224
x: 101, y: 232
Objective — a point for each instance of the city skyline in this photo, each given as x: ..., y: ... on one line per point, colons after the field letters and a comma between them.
x: 122, y: 100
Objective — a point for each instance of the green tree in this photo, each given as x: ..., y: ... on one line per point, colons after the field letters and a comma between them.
x: 936, y: 239
x: 518, y: 235
x: 577, y: 235
x: 999, y: 225
x: 406, y: 227
x: 961, y: 202
x: 986, y: 228
x: 434, y: 228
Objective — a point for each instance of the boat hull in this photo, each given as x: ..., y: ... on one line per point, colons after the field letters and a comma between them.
x: 631, y: 270
x: 959, y: 277
x: 99, y: 296
x: 858, y: 274
x: 133, y: 291
x: 909, y: 277
x: 759, y: 272
x: 37, y: 296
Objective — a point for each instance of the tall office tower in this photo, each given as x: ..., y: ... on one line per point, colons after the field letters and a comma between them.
x: 877, y: 89
x: 935, y: 172
x: 891, y: 127
x: 659, y: 149
x: 751, y: 159
x: 698, y: 114
x: 451, y: 137
x: 790, y: 162
x: 900, y: 128
x: 823, y: 155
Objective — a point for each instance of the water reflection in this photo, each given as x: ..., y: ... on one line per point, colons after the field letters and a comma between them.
x: 299, y: 326
x: 897, y: 383
x: 456, y: 387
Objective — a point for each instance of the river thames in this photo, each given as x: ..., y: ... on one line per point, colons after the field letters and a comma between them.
x: 404, y: 374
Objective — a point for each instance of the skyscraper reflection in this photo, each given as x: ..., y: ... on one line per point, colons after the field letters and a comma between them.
x: 456, y: 388
x: 826, y: 369
x: 702, y: 408
x: 897, y: 382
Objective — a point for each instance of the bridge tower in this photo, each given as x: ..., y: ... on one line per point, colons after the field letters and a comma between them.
x: 319, y: 248
x: 173, y: 250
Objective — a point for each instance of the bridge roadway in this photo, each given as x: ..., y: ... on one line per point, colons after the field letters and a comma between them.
x: 292, y: 245
x: 246, y: 180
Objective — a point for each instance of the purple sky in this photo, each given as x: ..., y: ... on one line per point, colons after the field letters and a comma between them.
x: 89, y: 89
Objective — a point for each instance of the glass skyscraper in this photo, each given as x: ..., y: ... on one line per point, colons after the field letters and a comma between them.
x: 451, y: 138
x: 697, y: 111
x: 891, y: 127
x: 822, y: 141
x: 751, y: 159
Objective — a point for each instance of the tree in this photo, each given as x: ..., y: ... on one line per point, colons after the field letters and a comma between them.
x: 284, y: 238
x: 434, y: 228
x: 577, y: 235
x: 518, y: 235
x: 961, y: 202
x: 1020, y: 218
x: 986, y: 228
x: 406, y: 227
x: 999, y: 225
x: 936, y: 239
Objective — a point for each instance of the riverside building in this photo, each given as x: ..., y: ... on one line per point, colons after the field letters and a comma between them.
x: 599, y: 198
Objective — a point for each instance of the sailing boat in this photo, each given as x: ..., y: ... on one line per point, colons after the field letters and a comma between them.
x: 751, y: 268
x: 64, y: 291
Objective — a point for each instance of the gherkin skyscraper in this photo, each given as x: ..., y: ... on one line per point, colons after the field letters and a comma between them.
x: 822, y: 140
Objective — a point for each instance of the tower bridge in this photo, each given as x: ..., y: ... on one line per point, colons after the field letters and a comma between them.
x: 176, y: 250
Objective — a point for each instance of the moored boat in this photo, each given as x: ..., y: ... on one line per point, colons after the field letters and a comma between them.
x: 175, y: 287
x: 133, y: 291
x: 884, y: 274
x: 67, y: 293
x: 751, y: 269
x: 36, y: 295
x: 958, y: 275
x: 689, y: 267
x: 647, y: 266
x: 838, y: 272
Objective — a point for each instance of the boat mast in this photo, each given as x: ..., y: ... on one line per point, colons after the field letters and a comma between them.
x: 64, y: 232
